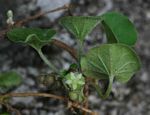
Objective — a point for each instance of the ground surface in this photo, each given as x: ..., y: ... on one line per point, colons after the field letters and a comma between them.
x: 130, y: 99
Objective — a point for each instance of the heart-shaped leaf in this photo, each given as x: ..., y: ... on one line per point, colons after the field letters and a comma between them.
x: 34, y: 37
x: 119, y: 28
x: 79, y: 26
x: 9, y: 80
x: 110, y: 61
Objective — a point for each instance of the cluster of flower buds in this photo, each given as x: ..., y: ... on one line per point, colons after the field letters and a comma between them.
x: 75, y: 83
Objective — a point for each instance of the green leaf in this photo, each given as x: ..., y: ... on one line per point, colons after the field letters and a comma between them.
x: 5, y: 113
x: 119, y: 28
x: 108, y: 60
x: 79, y: 26
x: 9, y: 80
x: 34, y: 37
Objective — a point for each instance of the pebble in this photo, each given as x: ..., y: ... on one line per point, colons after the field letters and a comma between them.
x: 50, y: 5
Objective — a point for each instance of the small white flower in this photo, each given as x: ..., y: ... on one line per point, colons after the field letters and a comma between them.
x: 10, y: 17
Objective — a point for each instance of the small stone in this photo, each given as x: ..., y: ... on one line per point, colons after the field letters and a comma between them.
x: 50, y: 5
x: 144, y: 77
x: 148, y: 14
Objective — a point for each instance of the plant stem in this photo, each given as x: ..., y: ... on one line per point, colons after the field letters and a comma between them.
x: 80, y: 51
x: 86, y: 104
x: 109, y: 87
x: 27, y: 94
x: 106, y: 94
x: 66, y: 47
x: 44, y: 58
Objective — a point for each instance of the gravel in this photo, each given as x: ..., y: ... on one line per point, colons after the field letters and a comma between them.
x: 126, y: 99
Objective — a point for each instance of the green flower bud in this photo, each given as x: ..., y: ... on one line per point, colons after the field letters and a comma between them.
x: 76, y: 96
x: 10, y: 14
x: 75, y: 81
x: 73, y: 96
x: 10, y: 17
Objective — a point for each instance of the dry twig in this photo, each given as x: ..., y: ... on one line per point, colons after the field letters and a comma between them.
x: 20, y: 23
x: 64, y: 46
x: 10, y: 108
x: 27, y: 94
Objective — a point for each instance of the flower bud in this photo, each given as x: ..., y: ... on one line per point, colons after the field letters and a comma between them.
x: 76, y: 96
x: 75, y: 81
x: 9, y: 20
x: 73, y: 96
x: 10, y: 14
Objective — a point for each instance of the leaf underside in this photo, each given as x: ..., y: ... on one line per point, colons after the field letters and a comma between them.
x: 108, y: 60
x: 79, y: 26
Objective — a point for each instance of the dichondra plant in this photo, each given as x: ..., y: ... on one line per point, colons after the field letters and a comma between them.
x: 115, y: 60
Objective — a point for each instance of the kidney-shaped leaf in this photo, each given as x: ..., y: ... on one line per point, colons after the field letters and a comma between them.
x: 9, y: 80
x: 34, y: 37
x: 119, y: 28
x: 79, y: 26
x: 110, y: 60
